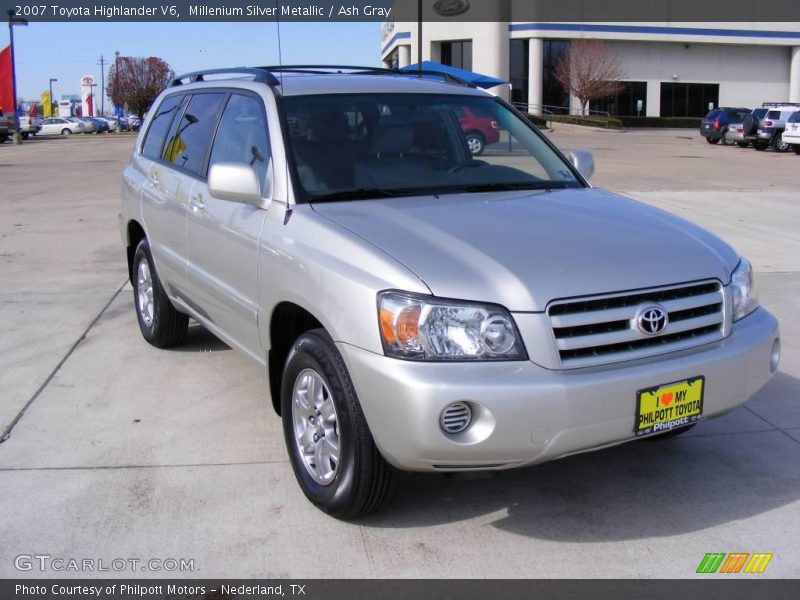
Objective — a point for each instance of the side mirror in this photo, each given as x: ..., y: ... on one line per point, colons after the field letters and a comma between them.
x: 235, y: 182
x: 583, y: 161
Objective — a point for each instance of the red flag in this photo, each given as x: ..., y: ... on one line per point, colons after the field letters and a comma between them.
x: 6, y: 94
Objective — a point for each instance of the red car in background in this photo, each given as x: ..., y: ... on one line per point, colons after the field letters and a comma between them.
x: 480, y: 130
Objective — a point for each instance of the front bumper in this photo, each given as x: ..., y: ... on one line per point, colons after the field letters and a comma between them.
x: 526, y: 414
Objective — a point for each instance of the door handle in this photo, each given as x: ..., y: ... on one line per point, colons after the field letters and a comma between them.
x: 197, y: 202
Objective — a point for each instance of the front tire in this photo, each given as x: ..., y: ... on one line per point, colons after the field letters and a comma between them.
x: 330, y: 446
x: 713, y: 141
x: 161, y: 325
x: 66, y: 132
x: 779, y: 145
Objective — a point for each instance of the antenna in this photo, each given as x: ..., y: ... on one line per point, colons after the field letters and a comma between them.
x: 280, y: 75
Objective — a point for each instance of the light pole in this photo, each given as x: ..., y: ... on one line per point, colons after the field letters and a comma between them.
x: 12, y: 20
x: 52, y: 79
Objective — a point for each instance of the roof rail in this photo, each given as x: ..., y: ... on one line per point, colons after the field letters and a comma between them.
x: 356, y: 70
x: 769, y: 104
x: 266, y: 74
x: 259, y: 74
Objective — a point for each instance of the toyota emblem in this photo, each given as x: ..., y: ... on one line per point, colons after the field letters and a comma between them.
x: 652, y: 319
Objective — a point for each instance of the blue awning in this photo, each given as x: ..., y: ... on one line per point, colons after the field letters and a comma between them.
x: 482, y: 81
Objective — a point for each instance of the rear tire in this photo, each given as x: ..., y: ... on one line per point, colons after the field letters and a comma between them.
x: 712, y: 140
x: 475, y: 143
x: 161, y: 325
x: 330, y: 446
x: 743, y: 144
x: 760, y: 146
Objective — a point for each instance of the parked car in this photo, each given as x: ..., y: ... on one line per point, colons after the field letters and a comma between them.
x: 5, y: 127
x: 61, y: 126
x: 134, y: 122
x: 89, y: 126
x: 715, y: 124
x: 29, y: 126
x: 746, y: 132
x: 112, y: 124
x: 791, y: 134
x: 414, y: 306
x: 99, y: 124
x: 480, y: 130
x: 770, y: 131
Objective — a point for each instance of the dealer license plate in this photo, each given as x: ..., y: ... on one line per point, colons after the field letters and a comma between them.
x: 669, y: 406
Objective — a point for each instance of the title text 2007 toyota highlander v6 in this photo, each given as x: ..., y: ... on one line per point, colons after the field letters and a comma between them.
x: 416, y: 306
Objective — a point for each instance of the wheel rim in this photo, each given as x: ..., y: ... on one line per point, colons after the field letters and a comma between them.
x: 144, y: 292
x: 781, y: 145
x: 316, y: 428
x: 474, y: 144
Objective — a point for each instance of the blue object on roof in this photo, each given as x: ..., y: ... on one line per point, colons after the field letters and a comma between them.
x: 482, y: 81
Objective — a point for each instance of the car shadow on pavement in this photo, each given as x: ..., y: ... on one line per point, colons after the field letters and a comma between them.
x: 200, y: 339
x: 644, y: 489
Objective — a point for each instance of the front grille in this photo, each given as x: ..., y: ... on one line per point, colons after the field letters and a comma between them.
x: 601, y: 330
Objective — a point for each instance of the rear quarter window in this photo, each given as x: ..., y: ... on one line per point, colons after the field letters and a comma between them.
x: 774, y: 114
x: 157, y: 132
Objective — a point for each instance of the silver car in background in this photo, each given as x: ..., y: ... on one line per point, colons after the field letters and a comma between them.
x: 414, y: 306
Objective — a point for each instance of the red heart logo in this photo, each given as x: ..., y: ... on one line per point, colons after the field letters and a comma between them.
x: 666, y: 399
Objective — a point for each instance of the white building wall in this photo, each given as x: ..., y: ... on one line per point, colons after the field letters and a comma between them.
x: 747, y: 75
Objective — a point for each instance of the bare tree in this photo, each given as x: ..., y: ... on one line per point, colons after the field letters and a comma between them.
x: 134, y: 82
x: 589, y: 71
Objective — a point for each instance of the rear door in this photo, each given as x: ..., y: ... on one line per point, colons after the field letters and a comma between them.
x: 164, y: 197
x: 223, y: 236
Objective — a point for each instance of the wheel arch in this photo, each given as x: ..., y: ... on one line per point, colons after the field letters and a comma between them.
x: 135, y: 234
x: 287, y: 323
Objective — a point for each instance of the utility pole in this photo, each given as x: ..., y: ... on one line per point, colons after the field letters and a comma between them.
x: 102, y: 64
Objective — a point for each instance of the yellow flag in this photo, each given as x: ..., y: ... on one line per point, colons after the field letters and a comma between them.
x: 47, y: 105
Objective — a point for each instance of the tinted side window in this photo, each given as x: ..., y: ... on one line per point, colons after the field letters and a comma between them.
x: 242, y: 135
x: 159, y: 126
x: 795, y: 118
x: 774, y: 114
x: 188, y: 145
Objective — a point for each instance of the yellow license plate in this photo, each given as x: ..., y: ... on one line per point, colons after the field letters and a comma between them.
x: 669, y: 406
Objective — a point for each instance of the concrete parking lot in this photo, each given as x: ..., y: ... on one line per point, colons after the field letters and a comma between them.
x: 120, y: 450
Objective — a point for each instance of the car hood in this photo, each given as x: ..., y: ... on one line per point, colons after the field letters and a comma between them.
x: 524, y: 249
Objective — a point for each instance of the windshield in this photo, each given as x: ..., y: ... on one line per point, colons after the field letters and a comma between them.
x: 354, y: 146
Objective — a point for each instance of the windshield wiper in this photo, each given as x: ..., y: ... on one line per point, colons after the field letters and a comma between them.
x: 361, y: 194
x: 497, y: 186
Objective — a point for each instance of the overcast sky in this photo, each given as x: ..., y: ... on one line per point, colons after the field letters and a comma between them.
x: 67, y: 51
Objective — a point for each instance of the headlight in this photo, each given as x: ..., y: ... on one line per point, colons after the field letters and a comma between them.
x: 743, y: 290
x: 420, y: 327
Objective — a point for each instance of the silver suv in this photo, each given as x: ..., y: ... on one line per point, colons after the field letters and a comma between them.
x: 772, y: 126
x: 415, y: 306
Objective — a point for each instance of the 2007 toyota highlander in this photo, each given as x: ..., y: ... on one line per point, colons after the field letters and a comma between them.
x: 418, y: 307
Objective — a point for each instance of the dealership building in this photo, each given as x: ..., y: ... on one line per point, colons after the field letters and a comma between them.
x: 670, y: 69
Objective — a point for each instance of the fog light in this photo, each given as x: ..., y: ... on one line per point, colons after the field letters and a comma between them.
x: 455, y: 417
x: 775, y: 355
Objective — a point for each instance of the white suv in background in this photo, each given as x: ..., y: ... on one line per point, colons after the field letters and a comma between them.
x: 771, y: 128
x: 791, y: 135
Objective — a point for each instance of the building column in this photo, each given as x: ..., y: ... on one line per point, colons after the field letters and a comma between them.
x: 403, y: 56
x: 653, y: 99
x: 490, y: 53
x: 535, y: 73
x: 794, y: 76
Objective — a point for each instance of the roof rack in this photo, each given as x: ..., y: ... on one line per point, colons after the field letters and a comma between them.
x: 266, y: 74
x: 770, y: 104
x: 258, y: 74
x: 360, y: 70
